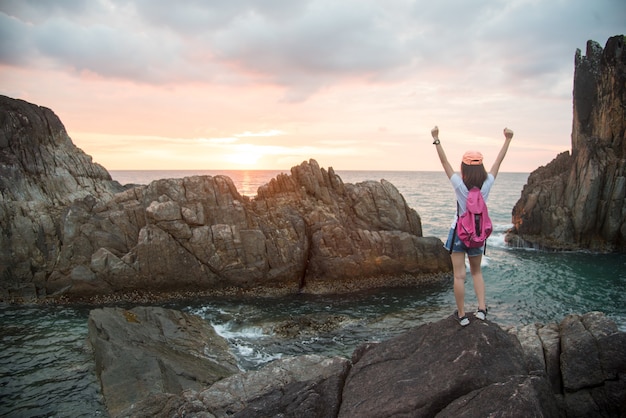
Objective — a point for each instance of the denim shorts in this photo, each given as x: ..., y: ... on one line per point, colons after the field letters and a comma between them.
x: 459, y: 247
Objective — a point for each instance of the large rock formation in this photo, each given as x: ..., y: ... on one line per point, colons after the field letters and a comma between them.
x: 69, y: 230
x: 41, y: 173
x: 578, y: 201
x: 145, y: 351
x: 573, y: 369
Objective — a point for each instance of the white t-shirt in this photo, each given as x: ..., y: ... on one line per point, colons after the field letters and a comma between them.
x: 460, y: 189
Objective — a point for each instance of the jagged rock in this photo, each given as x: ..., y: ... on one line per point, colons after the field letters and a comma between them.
x: 585, y: 363
x: 438, y: 369
x: 152, y: 350
x: 80, y: 234
x: 41, y: 173
x: 578, y: 201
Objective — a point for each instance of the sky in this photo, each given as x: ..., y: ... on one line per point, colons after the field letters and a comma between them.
x: 267, y: 84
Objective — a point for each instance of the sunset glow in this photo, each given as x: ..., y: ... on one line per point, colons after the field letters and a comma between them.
x: 265, y: 85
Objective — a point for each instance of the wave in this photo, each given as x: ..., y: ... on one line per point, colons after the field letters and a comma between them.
x: 246, y: 344
x: 229, y: 331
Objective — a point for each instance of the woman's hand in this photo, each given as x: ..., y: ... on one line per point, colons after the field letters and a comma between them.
x: 435, y: 132
x: 508, y: 134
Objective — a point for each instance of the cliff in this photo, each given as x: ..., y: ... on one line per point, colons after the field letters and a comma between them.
x: 68, y: 230
x: 41, y: 173
x: 578, y: 200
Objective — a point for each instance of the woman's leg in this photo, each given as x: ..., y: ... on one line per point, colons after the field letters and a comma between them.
x: 458, y: 267
x: 479, y: 283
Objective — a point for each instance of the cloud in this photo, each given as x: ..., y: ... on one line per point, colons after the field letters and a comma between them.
x: 37, y: 11
x: 302, y: 46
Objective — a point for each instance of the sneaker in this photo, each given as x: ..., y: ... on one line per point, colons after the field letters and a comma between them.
x: 464, y: 320
x: 481, y: 314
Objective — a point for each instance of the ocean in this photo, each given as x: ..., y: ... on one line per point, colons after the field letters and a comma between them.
x: 46, y: 366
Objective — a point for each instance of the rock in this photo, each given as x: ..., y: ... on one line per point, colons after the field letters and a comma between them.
x: 313, y: 324
x: 304, y: 386
x: 551, y: 344
x: 533, y: 349
x: 577, y: 201
x: 69, y: 231
x: 152, y: 350
x: 41, y: 173
x: 593, y: 365
x: 439, y: 367
x: 520, y: 396
x: 301, y: 386
x: 585, y: 363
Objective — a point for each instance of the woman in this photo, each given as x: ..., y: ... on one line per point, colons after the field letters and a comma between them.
x: 473, y: 174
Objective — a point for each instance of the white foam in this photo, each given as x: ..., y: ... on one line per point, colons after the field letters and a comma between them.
x: 497, y: 240
x: 227, y: 331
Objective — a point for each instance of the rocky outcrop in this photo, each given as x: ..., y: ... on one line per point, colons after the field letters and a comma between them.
x: 305, y: 386
x: 305, y: 232
x: 584, y: 360
x: 573, y: 369
x: 41, y: 173
x: 69, y: 231
x: 145, y: 351
x: 578, y: 201
x: 441, y: 369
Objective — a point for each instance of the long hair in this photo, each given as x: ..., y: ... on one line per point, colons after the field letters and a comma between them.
x: 473, y: 175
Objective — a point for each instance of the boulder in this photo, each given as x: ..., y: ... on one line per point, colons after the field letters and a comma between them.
x: 437, y: 369
x: 69, y: 231
x: 152, y: 350
x: 577, y: 201
x: 304, y: 386
x: 585, y: 363
x: 442, y: 368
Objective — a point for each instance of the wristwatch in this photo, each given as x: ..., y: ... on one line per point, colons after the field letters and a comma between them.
x: 436, y: 142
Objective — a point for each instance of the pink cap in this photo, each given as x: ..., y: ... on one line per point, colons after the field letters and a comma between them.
x: 472, y: 158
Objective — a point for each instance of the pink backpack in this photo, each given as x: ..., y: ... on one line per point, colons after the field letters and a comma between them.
x: 474, y: 226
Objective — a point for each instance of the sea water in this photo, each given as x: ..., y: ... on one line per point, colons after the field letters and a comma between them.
x: 46, y: 366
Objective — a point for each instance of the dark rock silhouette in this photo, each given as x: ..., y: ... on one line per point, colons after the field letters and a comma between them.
x: 577, y: 201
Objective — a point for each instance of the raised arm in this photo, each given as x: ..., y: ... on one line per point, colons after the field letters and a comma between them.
x: 442, y: 155
x: 508, y: 136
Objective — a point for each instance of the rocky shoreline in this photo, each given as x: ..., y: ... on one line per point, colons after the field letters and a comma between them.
x: 574, y: 368
x: 69, y: 232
